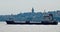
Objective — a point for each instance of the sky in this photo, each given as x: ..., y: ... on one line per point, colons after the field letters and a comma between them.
x: 8, y: 7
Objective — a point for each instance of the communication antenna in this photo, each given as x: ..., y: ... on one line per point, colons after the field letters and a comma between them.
x: 44, y: 11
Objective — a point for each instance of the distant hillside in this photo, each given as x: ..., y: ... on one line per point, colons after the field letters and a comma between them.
x: 30, y: 15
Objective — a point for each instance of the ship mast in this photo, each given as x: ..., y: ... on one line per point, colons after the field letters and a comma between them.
x: 44, y: 12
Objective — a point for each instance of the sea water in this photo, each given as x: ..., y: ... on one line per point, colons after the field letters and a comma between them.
x: 29, y: 28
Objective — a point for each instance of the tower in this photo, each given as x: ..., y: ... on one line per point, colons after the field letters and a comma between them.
x: 32, y: 10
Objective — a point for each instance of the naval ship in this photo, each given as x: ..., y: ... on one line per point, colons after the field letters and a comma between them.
x: 47, y: 19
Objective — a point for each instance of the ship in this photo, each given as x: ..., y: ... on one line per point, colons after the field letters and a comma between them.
x: 47, y: 20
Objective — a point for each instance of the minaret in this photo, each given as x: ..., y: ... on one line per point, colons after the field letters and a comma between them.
x: 32, y: 10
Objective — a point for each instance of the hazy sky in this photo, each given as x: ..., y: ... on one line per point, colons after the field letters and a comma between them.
x: 20, y: 6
